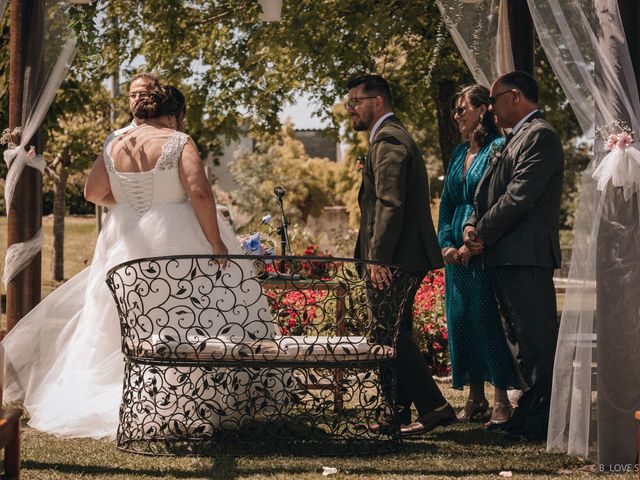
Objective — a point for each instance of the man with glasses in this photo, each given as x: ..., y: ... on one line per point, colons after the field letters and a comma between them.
x: 396, y: 229
x: 141, y: 85
x: 515, y: 227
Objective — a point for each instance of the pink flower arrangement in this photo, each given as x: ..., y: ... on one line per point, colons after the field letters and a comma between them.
x: 295, y: 310
x: 620, y: 141
x: 430, y: 324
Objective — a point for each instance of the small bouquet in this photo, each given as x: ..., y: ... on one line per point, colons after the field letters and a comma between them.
x: 617, y: 135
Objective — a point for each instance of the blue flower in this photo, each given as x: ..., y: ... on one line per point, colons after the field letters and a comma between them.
x: 252, y: 245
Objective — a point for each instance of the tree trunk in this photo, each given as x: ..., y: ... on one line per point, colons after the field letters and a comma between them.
x: 59, y: 189
x: 448, y: 136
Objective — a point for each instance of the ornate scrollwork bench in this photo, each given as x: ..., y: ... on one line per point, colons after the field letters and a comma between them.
x: 244, y: 358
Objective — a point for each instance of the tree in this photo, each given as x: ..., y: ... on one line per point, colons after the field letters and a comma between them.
x: 312, y: 183
x: 76, y: 126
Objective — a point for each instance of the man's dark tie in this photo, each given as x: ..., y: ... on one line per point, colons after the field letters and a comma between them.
x: 507, y: 139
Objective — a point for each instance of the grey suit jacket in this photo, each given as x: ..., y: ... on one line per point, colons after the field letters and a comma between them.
x: 517, y: 202
x: 396, y: 227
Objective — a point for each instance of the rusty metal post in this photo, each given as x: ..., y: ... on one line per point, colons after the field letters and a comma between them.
x: 25, y: 212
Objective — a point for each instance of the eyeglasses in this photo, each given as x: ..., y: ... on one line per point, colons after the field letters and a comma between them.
x: 492, y: 100
x: 459, y: 111
x: 139, y: 95
x: 353, y: 102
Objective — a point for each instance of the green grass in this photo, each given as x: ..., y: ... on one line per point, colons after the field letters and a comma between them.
x: 458, y: 451
x: 79, y: 242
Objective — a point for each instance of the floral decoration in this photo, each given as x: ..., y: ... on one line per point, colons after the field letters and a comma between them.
x: 430, y: 324
x: 617, y: 135
x: 495, y: 154
x: 620, y: 140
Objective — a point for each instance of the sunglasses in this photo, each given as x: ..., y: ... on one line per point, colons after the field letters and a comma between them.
x: 493, y: 99
x: 459, y: 111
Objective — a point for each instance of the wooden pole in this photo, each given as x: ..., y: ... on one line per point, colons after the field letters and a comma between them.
x: 522, y: 35
x: 630, y: 13
x: 25, y: 211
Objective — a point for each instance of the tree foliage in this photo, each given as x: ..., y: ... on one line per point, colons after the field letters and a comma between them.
x: 238, y: 73
x: 310, y: 183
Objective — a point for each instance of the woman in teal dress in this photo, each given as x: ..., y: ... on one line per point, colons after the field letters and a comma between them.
x: 477, y: 344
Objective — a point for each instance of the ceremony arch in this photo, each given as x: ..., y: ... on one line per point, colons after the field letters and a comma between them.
x: 586, y: 43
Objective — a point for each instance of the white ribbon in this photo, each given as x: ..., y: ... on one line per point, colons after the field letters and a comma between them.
x: 621, y: 166
x: 19, y: 255
x: 16, y: 159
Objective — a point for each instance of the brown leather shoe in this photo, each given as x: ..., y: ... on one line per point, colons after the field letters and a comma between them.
x: 430, y: 421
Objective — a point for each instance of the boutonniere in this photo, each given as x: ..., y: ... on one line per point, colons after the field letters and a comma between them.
x: 496, y: 154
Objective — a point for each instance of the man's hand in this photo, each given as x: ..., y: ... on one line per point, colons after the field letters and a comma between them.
x: 450, y: 255
x: 472, y: 241
x: 380, y: 276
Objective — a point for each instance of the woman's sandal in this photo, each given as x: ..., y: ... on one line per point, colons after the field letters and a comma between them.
x: 501, y: 414
x: 473, y: 410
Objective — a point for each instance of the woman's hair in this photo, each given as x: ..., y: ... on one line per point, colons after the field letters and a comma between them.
x: 161, y: 101
x: 478, y: 95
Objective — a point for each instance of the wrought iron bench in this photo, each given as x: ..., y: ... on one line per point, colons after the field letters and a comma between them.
x: 265, y: 351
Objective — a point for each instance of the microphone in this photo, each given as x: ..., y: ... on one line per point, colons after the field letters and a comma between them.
x: 279, y: 191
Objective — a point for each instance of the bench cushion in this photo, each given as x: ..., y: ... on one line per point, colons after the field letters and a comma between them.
x: 280, y: 348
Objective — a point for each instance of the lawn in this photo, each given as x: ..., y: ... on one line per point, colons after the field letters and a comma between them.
x: 458, y: 451
x: 462, y: 450
x: 79, y: 242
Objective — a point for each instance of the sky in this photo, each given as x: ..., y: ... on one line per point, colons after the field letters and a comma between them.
x: 301, y: 113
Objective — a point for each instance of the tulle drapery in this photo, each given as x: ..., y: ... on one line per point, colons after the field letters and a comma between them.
x: 45, y: 67
x: 481, y: 32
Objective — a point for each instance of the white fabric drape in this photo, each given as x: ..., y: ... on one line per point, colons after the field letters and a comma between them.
x: 481, y: 33
x: 599, y: 332
x: 3, y: 5
x: 20, y: 254
x: 44, y: 72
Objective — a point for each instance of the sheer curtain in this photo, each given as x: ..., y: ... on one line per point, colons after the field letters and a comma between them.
x: 599, y: 332
x: 481, y: 32
x: 46, y: 67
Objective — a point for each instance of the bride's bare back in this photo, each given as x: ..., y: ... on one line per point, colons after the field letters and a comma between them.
x: 139, y: 149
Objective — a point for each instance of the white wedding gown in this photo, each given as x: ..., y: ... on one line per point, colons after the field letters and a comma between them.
x: 63, y: 360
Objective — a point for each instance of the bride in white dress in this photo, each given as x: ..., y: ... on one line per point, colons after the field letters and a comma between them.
x: 63, y: 359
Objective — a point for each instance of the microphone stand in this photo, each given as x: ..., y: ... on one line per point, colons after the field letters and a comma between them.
x: 284, y: 233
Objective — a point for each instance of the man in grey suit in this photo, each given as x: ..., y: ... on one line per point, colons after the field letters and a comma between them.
x: 515, y: 226
x: 396, y: 229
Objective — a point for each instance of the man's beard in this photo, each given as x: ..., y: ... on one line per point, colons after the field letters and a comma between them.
x: 360, y: 125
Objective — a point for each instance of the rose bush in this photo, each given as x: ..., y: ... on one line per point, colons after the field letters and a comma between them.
x: 430, y: 323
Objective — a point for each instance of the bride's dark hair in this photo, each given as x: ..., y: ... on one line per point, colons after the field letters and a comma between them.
x: 479, y: 95
x: 161, y: 101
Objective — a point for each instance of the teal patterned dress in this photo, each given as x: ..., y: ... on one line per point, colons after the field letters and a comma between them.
x: 477, y: 343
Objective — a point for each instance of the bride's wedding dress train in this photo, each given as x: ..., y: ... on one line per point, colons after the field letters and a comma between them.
x: 63, y: 360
